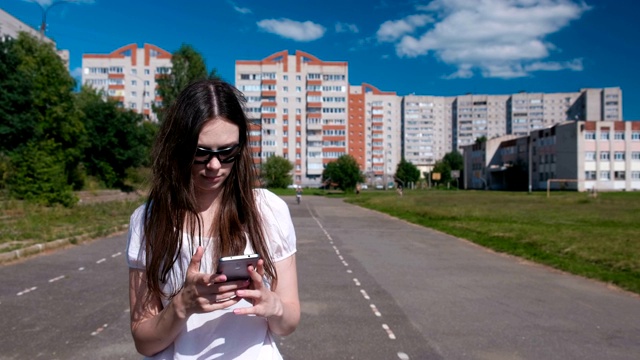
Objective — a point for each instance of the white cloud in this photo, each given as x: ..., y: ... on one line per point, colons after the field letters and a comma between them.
x: 76, y: 73
x: 390, y: 31
x: 241, y: 10
x: 46, y: 3
x: 295, y: 30
x: 500, y: 38
x: 344, y: 27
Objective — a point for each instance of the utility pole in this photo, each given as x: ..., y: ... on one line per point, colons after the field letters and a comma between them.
x: 45, y: 10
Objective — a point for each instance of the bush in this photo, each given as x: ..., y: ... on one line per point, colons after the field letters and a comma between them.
x: 37, y: 174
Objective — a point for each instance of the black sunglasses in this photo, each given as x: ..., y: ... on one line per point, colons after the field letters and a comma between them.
x: 224, y: 156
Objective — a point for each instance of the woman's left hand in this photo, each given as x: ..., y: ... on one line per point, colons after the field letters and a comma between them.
x: 266, y: 303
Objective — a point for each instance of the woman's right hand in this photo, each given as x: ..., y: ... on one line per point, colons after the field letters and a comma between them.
x: 203, y: 293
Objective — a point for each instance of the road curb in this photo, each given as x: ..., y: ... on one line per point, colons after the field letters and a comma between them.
x: 32, y: 250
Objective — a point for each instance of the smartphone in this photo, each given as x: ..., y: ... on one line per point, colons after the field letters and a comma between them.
x: 236, y: 267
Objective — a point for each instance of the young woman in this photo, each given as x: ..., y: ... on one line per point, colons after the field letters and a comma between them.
x: 202, y: 206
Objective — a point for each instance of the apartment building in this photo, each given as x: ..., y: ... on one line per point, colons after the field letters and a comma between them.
x: 375, y: 132
x: 128, y: 75
x: 578, y: 155
x: 427, y: 129
x: 10, y: 27
x: 303, y: 108
x: 466, y: 118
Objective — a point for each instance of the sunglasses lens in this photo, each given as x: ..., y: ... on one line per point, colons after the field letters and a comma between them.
x: 225, y: 156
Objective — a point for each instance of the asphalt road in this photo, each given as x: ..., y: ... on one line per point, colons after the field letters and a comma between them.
x: 371, y: 287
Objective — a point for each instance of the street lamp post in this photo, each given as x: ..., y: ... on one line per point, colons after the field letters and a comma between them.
x: 45, y: 10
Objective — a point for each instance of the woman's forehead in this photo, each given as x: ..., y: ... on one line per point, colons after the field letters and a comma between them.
x: 219, y: 130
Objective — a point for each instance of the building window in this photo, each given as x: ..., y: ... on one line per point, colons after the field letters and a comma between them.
x: 604, y: 156
x: 618, y: 135
x: 635, y: 156
x: 635, y: 175
x: 605, y: 175
x: 589, y: 175
x: 589, y: 135
x: 618, y: 156
x: 604, y: 135
x: 590, y: 156
x: 635, y: 136
x: 619, y: 175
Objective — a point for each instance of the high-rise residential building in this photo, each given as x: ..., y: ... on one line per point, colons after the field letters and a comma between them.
x: 303, y: 108
x: 375, y: 132
x: 128, y: 75
x: 11, y: 26
x: 436, y: 125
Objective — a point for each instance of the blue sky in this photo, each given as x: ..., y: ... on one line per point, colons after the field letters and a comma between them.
x: 430, y: 47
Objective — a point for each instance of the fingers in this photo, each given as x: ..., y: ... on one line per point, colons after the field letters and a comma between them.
x: 194, y: 265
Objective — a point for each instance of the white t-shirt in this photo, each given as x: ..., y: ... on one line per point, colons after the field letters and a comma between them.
x: 221, y: 334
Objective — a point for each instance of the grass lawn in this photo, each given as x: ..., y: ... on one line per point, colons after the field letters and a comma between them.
x: 23, y: 224
x: 593, y: 237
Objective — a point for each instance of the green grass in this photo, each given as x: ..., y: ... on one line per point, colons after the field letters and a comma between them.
x: 593, y: 237
x: 23, y: 224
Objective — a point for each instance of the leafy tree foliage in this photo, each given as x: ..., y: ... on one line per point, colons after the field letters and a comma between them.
x: 345, y: 172
x: 38, y: 174
x: 407, y: 172
x: 17, y: 116
x: 118, y: 140
x: 187, y: 65
x: 451, y: 161
x: 37, y: 111
x: 276, y: 172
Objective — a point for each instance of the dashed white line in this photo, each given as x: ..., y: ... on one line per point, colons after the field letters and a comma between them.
x: 81, y: 268
x: 25, y: 291
x: 364, y: 294
x: 403, y: 356
x: 57, y: 278
x: 101, y: 261
x: 355, y: 281
x: 99, y: 330
x: 390, y: 333
x: 375, y: 310
x: 116, y: 254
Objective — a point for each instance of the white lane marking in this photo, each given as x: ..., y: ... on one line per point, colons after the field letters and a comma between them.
x: 349, y: 271
x: 390, y: 333
x: 355, y: 281
x: 99, y: 330
x: 403, y: 356
x: 116, y: 254
x: 345, y: 263
x: 364, y: 294
x: 375, y: 310
x: 25, y: 291
x: 101, y: 261
x: 81, y: 268
x: 57, y: 278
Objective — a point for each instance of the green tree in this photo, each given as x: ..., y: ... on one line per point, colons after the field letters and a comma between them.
x: 345, y: 171
x: 37, y: 174
x: 276, y: 172
x: 187, y: 65
x: 37, y: 109
x: 118, y: 140
x: 17, y: 116
x: 451, y: 161
x: 406, y: 172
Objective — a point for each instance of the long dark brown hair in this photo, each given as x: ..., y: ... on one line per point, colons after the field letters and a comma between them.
x: 172, y: 200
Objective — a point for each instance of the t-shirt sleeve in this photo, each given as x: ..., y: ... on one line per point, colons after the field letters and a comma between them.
x: 279, y: 231
x: 135, y: 247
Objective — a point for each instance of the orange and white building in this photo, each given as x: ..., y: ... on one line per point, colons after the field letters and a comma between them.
x: 128, y: 75
x: 304, y: 109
